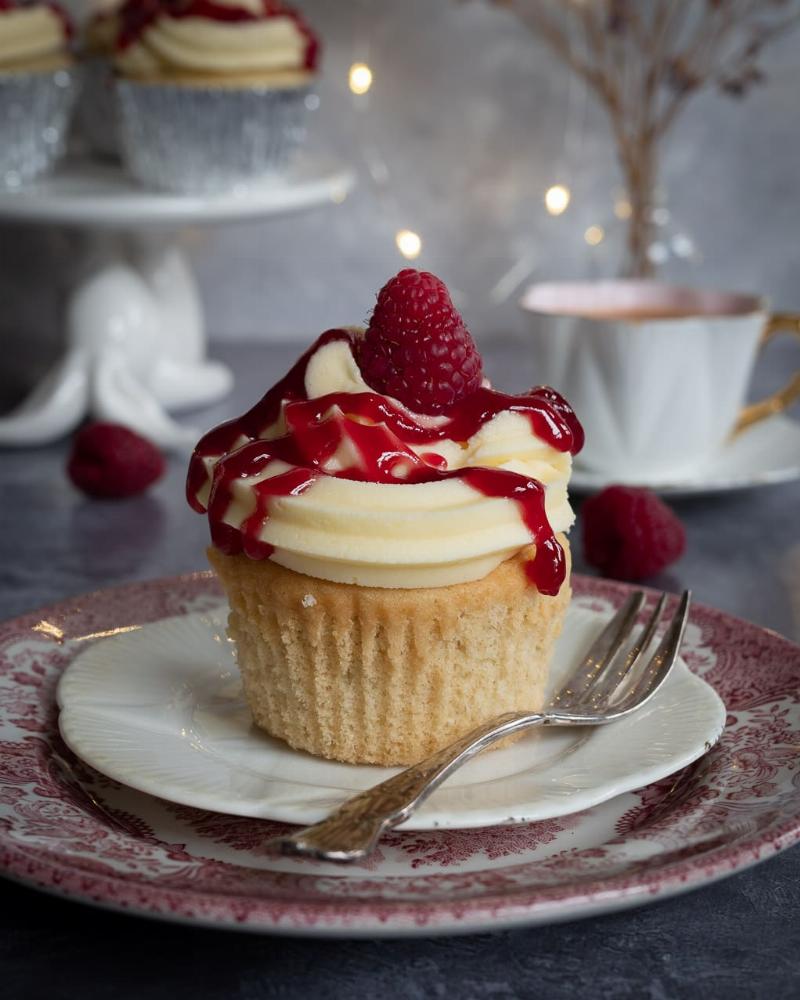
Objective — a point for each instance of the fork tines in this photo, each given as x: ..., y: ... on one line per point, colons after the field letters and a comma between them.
x: 616, y: 666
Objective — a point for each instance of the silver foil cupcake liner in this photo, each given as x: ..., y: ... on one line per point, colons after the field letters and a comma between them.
x: 35, y: 110
x: 96, y: 114
x: 208, y: 139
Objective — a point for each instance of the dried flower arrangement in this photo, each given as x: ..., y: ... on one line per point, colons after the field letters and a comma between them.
x: 643, y: 60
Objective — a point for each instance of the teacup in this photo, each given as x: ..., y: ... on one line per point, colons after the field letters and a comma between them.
x: 657, y: 374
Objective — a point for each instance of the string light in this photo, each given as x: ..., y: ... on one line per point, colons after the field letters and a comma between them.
x: 660, y: 216
x: 408, y: 243
x: 658, y: 253
x: 682, y: 245
x: 556, y: 199
x: 594, y: 235
x: 360, y: 78
x: 623, y: 208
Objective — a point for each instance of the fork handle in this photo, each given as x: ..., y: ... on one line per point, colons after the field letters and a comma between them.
x: 353, y: 830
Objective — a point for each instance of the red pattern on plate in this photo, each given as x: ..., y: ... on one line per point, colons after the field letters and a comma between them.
x: 66, y: 828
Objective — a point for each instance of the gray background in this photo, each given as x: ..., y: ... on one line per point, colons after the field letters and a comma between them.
x: 469, y: 120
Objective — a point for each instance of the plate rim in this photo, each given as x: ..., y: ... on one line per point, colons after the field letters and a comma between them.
x: 440, y: 821
x: 501, y: 911
x: 504, y: 908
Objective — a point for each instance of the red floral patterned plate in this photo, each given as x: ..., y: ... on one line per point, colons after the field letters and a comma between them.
x: 68, y: 829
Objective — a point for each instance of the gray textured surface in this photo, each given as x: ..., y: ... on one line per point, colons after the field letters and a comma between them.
x: 734, y: 941
x: 737, y: 939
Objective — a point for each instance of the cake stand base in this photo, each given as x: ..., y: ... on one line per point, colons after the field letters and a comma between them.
x: 135, y: 348
x: 134, y: 339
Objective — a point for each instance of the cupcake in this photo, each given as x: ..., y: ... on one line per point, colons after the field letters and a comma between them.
x: 96, y: 113
x: 389, y: 530
x: 213, y: 93
x: 38, y: 88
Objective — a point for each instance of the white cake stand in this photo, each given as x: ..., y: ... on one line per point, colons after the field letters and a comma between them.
x: 135, y: 339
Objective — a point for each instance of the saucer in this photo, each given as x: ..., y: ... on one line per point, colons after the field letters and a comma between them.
x: 161, y: 709
x: 766, y: 453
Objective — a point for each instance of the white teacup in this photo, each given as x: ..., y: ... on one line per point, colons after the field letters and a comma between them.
x: 657, y: 374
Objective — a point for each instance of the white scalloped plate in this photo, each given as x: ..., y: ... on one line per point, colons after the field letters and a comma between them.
x: 160, y: 708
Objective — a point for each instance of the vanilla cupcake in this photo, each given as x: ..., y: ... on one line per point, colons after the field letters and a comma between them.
x: 38, y: 88
x: 390, y: 534
x: 213, y: 93
x: 96, y: 114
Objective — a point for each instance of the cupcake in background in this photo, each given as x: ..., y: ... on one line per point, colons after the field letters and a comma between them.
x: 38, y: 88
x: 96, y: 114
x: 212, y: 93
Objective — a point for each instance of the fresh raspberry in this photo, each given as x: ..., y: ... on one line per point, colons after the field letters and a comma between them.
x: 630, y: 533
x: 416, y: 347
x: 108, y: 460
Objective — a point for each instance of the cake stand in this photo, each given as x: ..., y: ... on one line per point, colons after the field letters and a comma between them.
x: 134, y: 332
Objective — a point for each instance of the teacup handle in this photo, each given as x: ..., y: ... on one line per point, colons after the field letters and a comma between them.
x: 783, y: 398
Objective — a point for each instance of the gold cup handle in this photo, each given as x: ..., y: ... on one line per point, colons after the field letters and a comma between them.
x: 783, y: 398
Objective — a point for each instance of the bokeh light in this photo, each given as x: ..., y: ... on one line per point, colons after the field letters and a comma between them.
x: 360, y: 78
x: 594, y: 235
x: 556, y: 199
x: 408, y: 243
x: 623, y: 208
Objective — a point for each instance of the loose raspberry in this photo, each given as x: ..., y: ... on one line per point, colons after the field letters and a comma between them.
x: 630, y: 533
x: 108, y: 460
x: 416, y: 347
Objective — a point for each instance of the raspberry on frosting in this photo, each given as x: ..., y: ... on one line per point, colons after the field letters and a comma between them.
x: 630, y: 534
x: 416, y: 347
x: 111, y: 461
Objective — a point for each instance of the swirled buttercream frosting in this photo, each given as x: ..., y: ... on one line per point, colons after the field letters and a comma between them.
x: 334, y: 480
x: 33, y: 37
x: 213, y: 39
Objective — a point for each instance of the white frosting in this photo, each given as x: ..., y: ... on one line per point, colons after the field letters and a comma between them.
x: 198, y: 45
x: 405, y: 534
x: 30, y: 36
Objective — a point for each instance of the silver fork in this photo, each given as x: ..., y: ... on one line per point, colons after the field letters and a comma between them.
x: 606, y: 686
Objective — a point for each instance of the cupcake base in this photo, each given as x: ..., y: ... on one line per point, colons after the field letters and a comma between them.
x: 375, y: 676
x: 207, y: 139
x: 35, y: 108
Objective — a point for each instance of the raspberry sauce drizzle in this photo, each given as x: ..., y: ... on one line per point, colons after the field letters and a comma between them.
x: 249, y: 461
x: 373, y: 431
x: 66, y: 21
x: 255, y: 422
x: 548, y: 567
